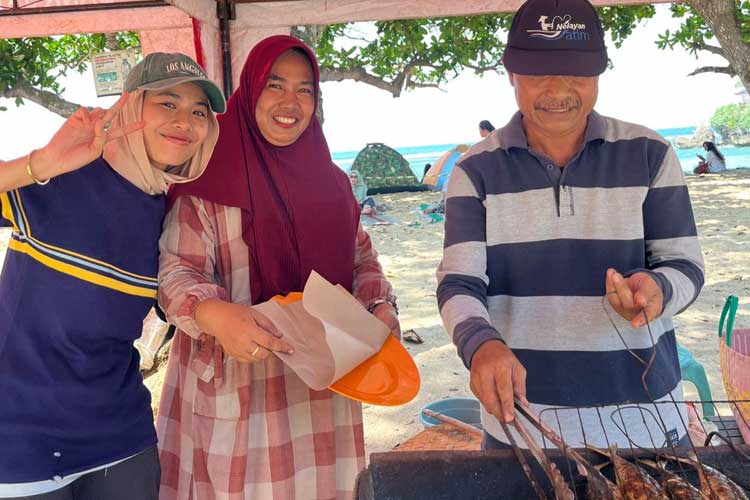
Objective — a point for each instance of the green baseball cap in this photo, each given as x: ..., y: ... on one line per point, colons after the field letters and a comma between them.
x: 162, y: 70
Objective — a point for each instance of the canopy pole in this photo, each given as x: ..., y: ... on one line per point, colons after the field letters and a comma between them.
x: 225, y: 12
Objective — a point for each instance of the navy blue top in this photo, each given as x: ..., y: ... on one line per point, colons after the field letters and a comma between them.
x: 79, y: 278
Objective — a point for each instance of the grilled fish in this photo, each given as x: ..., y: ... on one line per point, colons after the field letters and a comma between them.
x: 598, y: 487
x: 675, y: 486
x: 714, y: 484
x: 559, y: 486
x: 634, y: 483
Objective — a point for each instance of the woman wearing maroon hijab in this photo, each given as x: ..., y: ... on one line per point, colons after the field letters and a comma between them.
x: 234, y: 421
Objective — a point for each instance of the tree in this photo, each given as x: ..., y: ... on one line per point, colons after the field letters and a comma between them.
x: 401, y: 55
x: 30, y: 68
x: 397, y: 55
x: 732, y: 122
x: 720, y: 27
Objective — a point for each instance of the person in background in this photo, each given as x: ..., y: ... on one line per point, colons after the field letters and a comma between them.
x: 427, y: 167
x: 569, y: 239
x: 359, y: 188
x: 714, y: 161
x: 236, y: 422
x: 79, y: 277
x: 485, y: 128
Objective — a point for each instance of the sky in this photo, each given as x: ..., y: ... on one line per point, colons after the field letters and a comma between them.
x: 647, y: 86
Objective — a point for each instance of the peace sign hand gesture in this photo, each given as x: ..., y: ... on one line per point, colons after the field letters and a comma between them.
x: 80, y: 140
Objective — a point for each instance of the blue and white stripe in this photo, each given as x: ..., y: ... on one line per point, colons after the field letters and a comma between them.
x: 527, y: 248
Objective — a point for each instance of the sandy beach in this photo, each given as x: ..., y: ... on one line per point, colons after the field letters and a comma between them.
x: 410, y: 254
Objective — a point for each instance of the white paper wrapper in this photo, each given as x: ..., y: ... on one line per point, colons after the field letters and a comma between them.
x: 329, y: 329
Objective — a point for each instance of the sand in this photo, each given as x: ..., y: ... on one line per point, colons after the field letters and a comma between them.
x: 410, y: 254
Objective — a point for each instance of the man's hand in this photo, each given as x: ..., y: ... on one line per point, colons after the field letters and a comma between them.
x: 386, y: 313
x: 634, y: 296
x: 244, y: 333
x: 497, y: 376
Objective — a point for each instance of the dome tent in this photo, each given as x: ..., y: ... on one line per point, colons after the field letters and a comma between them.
x: 384, y: 170
x: 441, y: 170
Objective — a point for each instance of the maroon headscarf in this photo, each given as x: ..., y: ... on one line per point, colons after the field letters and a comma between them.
x: 298, y: 212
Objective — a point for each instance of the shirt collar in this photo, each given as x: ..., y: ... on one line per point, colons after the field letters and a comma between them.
x: 515, y: 137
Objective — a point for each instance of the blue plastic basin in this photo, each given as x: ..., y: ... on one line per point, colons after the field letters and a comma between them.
x: 463, y: 409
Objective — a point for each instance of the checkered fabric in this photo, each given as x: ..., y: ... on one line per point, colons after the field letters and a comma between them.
x: 237, y: 431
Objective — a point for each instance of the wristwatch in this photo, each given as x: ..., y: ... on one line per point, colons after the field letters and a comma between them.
x: 377, y: 302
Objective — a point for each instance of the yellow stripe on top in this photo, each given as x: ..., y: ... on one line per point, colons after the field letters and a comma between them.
x: 7, y: 211
x: 23, y: 214
x: 90, y: 259
x: 74, y: 254
x: 81, y: 273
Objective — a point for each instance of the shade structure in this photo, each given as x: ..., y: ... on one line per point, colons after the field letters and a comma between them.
x: 220, y: 33
x: 384, y: 170
x: 440, y: 171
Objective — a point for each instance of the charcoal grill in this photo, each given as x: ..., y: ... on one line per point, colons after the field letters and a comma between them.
x: 497, y: 474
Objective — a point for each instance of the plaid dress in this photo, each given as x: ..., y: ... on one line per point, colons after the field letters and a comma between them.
x: 230, y: 430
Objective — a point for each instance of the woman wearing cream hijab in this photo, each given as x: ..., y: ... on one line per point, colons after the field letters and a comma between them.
x: 79, y: 277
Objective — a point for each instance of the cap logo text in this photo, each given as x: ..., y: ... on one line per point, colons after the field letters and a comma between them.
x: 183, y: 67
x: 560, y: 27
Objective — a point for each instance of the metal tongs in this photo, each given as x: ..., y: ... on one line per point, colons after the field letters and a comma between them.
x: 598, y: 485
x: 559, y: 486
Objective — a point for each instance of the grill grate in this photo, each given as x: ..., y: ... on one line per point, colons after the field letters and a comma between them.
x: 709, y: 438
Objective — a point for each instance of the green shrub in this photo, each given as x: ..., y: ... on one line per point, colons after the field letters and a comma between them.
x: 732, y: 120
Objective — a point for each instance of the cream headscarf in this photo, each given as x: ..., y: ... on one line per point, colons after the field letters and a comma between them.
x: 127, y: 155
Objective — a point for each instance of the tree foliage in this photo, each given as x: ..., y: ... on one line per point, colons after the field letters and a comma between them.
x: 732, y: 121
x: 31, y: 68
x: 696, y: 36
x: 406, y: 54
x: 396, y: 55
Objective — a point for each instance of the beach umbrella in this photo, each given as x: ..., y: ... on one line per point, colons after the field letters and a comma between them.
x: 440, y: 171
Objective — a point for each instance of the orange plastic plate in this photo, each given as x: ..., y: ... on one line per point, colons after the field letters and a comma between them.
x: 388, y: 378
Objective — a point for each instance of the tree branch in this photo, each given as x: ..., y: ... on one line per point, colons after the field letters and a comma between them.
x: 49, y: 100
x: 714, y: 50
x: 484, y: 69
x: 728, y: 70
x: 361, y: 75
x: 358, y: 38
x: 415, y: 85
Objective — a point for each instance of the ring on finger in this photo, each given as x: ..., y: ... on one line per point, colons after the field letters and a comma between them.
x: 255, y: 351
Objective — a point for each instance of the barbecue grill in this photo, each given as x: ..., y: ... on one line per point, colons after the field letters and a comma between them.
x: 498, y: 474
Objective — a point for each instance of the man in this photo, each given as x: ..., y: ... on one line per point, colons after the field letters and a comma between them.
x: 566, y: 232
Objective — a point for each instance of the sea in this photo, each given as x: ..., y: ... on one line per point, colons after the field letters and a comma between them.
x: 419, y: 156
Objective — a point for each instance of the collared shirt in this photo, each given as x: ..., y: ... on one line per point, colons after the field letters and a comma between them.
x: 527, y: 246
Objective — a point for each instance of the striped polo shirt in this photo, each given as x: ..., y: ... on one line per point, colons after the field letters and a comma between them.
x: 527, y: 246
x: 79, y: 276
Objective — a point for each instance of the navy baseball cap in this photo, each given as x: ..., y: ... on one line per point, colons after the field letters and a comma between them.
x: 556, y: 37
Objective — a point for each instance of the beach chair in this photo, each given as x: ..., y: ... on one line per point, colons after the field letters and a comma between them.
x: 693, y: 371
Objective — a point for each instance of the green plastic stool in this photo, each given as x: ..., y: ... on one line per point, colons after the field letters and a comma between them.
x: 693, y: 371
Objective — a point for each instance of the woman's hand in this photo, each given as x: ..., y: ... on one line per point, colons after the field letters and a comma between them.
x: 386, y: 313
x: 80, y: 140
x: 244, y: 333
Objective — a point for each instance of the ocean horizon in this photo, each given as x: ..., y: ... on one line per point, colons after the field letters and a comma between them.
x: 419, y: 156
